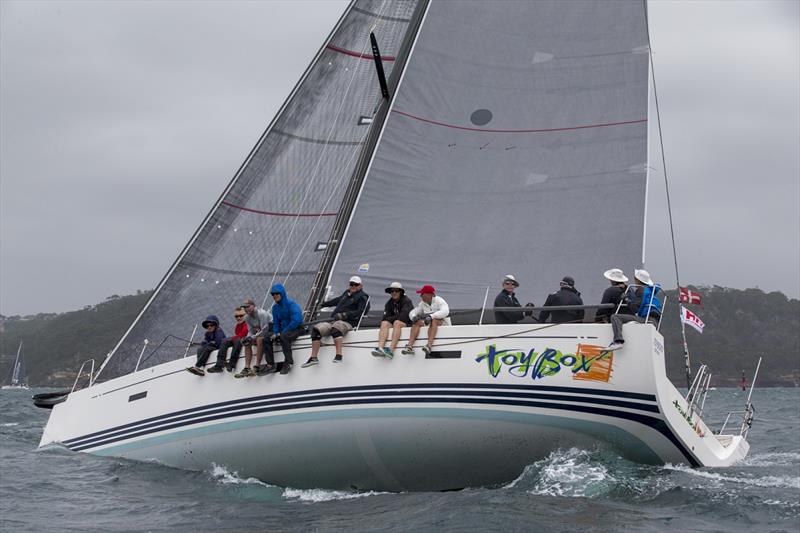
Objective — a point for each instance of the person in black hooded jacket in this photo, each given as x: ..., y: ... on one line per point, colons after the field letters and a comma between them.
x: 566, y: 295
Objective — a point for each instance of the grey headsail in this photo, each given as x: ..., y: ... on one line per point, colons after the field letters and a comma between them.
x: 268, y: 224
x: 516, y: 143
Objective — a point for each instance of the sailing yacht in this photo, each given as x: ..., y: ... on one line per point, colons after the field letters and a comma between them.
x: 428, y: 142
x: 18, y: 377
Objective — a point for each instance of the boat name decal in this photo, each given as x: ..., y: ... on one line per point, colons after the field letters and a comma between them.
x: 695, y: 425
x: 589, y: 362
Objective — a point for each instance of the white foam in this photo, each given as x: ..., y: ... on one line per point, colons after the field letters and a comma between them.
x: 222, y: 475
x: 792, y: 482
x: 572, y: 473
x: 773, y: 459
x: 320, y: 495
x: 10, y: 424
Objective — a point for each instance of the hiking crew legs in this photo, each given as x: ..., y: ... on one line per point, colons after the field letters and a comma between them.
x: 248, y: 352
x: 285, y: 339
x: 618, y: 320
x: 336, y: 329
x: 236, y: 345
x: 397, y: 330
x: 203, y: 353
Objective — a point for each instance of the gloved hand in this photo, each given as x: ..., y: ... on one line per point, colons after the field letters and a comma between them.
x: 247, y: 341
x: 339, y: 316
x: 427, y: 319
x: 273, y: 337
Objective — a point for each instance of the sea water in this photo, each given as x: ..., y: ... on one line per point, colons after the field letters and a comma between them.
x: 571, y: 490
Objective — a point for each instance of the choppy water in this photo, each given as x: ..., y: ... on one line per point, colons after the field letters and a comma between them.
x: 586, y: 490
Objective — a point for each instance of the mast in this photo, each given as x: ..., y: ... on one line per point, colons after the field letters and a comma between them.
x: 319, y: 287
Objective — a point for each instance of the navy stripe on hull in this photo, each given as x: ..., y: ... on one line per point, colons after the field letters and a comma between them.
x: 429, y: 388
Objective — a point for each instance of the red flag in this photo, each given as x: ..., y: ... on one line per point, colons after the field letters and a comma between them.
x: 687, y: 317
x: 689, y: 297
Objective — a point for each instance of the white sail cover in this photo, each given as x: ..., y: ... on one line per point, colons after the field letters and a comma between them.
x: 517, y: 143
x: 282, y: 203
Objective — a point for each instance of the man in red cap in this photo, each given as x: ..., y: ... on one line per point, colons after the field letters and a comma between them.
x: 433, y: 312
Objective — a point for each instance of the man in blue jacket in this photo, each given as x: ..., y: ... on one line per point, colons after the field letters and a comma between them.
x: 287, y: 325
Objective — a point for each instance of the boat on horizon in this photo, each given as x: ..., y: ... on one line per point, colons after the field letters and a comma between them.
x: 427, y: 142
x: 19, y: 378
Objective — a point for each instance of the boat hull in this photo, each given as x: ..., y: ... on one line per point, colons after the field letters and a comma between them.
x: 497, y: 399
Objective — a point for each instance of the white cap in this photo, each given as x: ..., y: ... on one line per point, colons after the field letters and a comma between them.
x: 615, y: 274
x: 511, y: 278
x: 643, y: 276
x: 355, y: 279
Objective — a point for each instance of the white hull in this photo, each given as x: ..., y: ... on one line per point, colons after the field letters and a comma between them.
x: 409, y: 423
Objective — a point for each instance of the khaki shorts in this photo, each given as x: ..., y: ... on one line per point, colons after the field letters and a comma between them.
x: 325, y: 328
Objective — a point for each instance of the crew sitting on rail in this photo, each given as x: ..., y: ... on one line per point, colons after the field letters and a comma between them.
x: 211, y: 341
x: 258, y: 321
x: 395, y: 316
x: 287, y: 325
x: 643, y: 305
x: 613, y: 294
x: 350, y: 307
x: 432, y: 311
x: 235, y: 343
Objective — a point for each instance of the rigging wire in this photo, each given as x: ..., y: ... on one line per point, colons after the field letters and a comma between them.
x: 687, y: 361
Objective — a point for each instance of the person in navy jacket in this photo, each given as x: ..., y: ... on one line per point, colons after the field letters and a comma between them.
x: 211, y: 341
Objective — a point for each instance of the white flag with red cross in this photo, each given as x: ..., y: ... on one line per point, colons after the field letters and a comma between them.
x: 687, y: 317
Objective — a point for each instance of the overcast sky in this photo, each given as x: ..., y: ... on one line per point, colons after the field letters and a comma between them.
x: 121, y: 122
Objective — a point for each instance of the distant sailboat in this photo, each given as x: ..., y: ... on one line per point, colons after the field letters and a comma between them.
x: 507, y: 136
x: 18, y: 378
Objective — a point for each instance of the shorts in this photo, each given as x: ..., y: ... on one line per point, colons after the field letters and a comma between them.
x: 325, y: 328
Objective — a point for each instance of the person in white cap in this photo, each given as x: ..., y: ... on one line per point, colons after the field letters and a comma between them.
x: 613, y: 294
x: 395, y: 317
x: 348, y: 310
x: 507, y: 298
x: 642, y: 306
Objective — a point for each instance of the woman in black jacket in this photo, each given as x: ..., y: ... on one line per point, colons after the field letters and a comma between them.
x: 395, y: 316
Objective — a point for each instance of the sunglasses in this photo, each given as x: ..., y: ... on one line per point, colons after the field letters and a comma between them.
x: 211, y: 326
x: 508, y: 283
x: 238, y: 316
x: 275, y: 293
x: 354, y: 284
x: 394, y: 290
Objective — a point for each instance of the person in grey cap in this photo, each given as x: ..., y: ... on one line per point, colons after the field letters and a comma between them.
x: 395, y: 317
x: 507, y: 298
x: 566, y: 295
x: 258, y: 328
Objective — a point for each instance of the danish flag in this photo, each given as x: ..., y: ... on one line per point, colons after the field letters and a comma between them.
x: 687, y: 317
x: 689, y: 297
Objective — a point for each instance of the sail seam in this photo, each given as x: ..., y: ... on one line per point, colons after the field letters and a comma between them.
x: 317, y: 141
x: 198, y: 266
x: 544, y: 130
x: 359, y: 55
x: 277, y: 214
x: 381, y: 17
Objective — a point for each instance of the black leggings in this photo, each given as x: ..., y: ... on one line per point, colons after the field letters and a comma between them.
x: 285, y: 339
x: 228, y: 343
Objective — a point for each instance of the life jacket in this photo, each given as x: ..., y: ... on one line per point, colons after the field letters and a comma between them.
x: 651, y: 304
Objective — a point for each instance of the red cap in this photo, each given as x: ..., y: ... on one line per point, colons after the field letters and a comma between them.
x: 427, y: 289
